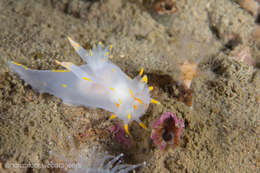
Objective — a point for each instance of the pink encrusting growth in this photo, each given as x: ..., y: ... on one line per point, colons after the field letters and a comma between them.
x: 120, y: 135
x: 243, y: 55
x: 166, y: 130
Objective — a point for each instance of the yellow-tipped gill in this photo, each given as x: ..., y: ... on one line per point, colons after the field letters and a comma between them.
x: 126, y: 129
x: 141, y: 72
x: 145, y: 79
x: 142, y: 125
x: 155, y: 101
x: 113, y: 116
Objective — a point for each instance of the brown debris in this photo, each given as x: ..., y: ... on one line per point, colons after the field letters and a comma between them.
x: 233, y: 41
x: 185, y: 95
x: 31, y: 96
x: 256, y: 34
x: 250, y: 5
x: 257, y: 99
x: 165, y: 7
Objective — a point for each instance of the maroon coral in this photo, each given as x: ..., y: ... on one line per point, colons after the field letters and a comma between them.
x: 165, y: 7
x: 166, y: 130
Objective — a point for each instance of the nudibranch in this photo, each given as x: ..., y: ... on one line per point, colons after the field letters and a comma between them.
x: 98, y: 84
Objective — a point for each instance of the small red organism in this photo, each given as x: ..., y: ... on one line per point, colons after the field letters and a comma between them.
x: 185, y: 95
x: 165, y: 7
x: 166, y: 130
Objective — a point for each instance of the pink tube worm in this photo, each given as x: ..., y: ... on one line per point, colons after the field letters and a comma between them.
x: 166, y: 130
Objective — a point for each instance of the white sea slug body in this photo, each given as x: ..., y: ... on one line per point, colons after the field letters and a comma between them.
x: 97, y: 84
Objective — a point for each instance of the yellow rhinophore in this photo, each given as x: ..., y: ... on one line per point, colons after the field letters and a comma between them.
x: 151, y: 88
x: 64, y: 85
x: 113, y: 116
x: 90, y: 52
x: 129, y: 116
